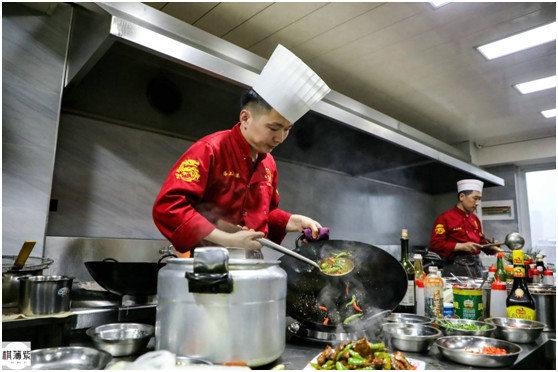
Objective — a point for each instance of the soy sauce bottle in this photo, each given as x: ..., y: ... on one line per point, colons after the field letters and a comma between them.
x: 408, y: 304
x: 520, y: 303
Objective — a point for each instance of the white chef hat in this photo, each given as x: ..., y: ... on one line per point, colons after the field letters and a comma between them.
x: 473, y: 185
x: 289, y: 85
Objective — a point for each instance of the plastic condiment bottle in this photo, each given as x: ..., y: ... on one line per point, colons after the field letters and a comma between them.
x: 548, y: 277
x: 498, y: 295
x: 433, y: 293
x: 419, y: 286
x: 509, y: 274
x: 491, y: 273
x: 533, y: 274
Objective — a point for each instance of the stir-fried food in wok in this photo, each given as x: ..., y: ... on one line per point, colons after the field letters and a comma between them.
x: 337, y: 264
x: 347, y: 313
x: 361, y: 354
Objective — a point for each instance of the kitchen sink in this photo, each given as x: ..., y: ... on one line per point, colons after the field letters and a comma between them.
x: 543, y: 357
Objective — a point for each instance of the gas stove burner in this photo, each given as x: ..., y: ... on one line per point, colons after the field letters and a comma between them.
x: 129, y: 300
x: 299, y: 331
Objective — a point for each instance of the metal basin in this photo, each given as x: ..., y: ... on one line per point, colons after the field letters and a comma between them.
x: 121, y: 339
x: 521, y: 331
x: 40, y: 295
x: 449, y: 331
x: 408, y: 318
x: 71, y: 357
x: 455, y: 348
x: 410, y: 337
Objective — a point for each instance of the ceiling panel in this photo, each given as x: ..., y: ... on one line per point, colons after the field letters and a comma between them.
x: 269, y: 21
x: 226, y: 16
x: 312, y: 25
x: 188, y: 12
x: 410, y: 61
x: 371, y: 21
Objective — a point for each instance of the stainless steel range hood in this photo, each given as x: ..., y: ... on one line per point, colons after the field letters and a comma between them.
x: 110, y: 40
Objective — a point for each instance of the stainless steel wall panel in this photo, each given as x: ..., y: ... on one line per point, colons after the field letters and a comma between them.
x: 34, y: 49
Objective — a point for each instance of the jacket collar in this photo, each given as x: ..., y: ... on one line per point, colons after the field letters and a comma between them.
x: 244, y: 146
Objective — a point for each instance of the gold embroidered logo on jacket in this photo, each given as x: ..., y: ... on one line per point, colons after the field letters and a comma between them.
x: 268, y: 176
x: 231, y: 174
x: 188, y: 171
x: 439, y: 229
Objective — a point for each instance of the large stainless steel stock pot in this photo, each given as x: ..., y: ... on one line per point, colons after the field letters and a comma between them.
x: 221, y: 310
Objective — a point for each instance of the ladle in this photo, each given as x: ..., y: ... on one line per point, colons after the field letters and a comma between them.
x: 268, y: 243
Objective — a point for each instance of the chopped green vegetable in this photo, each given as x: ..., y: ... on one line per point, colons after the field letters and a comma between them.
x: 340, y: 366
x: 356, y: 361
x: 462, y: 326
x: 351, y: 318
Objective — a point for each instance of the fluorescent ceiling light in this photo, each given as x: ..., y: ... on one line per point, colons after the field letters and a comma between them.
x: 549, y: 113
x: 517, y: 42
x: 439, y: 3
x: 536, y: 85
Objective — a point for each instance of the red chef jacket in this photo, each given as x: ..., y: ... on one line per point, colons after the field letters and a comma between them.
x: 217, y: 179
x: 452, y: 227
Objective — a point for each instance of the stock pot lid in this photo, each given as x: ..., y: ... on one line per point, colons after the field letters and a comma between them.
x: 32, y: 263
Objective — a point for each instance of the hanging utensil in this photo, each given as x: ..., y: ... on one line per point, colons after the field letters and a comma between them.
x: 23, y: 255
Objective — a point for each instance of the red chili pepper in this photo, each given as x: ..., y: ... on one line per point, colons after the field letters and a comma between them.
x: 326, y: 321
x: 322, y: 307
x: 356, y: 307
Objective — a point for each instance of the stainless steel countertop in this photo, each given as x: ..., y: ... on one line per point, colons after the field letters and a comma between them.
x: 299, y: 353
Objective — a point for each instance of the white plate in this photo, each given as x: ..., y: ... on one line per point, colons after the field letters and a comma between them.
x: 419, y: 364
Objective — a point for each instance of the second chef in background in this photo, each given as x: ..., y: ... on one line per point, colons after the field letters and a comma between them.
x: 457, y: 235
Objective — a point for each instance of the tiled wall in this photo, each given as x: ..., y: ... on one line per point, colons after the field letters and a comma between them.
x: 107, y: 176
x: 33, y: 55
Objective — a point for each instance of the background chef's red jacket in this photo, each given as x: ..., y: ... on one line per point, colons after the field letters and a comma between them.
x: 452, y: 227
x: 216, y: 179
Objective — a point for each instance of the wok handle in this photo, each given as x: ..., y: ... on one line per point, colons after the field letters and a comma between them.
x: 268, y: 243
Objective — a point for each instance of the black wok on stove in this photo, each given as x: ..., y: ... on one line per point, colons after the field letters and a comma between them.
x: 126, y: 278
x: 378, y: 281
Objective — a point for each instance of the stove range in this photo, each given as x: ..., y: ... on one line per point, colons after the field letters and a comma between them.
x: 301, y: 332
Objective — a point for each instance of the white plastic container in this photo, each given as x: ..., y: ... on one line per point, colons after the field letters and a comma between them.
x: 548, y: 277
x: 498, y: 295
x: 420, y: 296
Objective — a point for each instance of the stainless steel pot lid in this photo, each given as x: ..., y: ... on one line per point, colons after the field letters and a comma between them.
x: 32, y: 264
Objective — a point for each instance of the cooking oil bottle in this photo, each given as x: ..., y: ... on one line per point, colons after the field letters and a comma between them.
x: 520, y: 303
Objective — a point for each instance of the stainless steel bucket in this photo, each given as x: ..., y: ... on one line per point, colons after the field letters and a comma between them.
x: 545, y: 304
x: 10, y: 279
x: 41, y: 295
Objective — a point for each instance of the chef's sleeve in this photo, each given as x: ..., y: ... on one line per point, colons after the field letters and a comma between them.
x: 173, y: 211
x: 277, y: 218
x: 439, y: 242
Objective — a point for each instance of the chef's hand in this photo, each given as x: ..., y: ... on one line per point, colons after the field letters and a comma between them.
x: 241, y: 239
x: 298, y: 222
x: 468, y: 247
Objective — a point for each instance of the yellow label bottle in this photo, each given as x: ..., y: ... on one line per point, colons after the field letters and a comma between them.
x: 520, y: 303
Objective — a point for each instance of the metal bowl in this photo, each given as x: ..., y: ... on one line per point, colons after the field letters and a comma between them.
x: 454, y: 349
x: 70, y: 357
x: 447, y: 331
x: 521, y: 331
x: 410, y: 337
x: 121, y: 339
x: 408, y: 318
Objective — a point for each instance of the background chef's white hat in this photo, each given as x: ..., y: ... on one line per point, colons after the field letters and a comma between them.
x: 289, y: 85
x: 473, y: 185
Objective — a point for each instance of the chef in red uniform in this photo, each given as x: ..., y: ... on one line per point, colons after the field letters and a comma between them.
x: 229, y: 178
x: 457, y: 234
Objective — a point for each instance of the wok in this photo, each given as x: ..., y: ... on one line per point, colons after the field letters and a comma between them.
x: 126, y: 278
x: 378, y: 281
